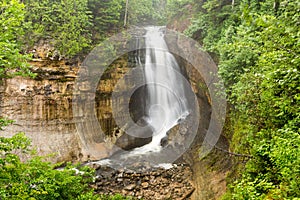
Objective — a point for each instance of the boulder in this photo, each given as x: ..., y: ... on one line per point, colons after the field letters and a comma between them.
x: 136, y: 136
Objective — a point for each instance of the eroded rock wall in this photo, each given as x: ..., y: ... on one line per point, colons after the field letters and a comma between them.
x: 42, y: 108
x: 209, y: 173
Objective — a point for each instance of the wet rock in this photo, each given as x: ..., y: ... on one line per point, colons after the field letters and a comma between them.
x: 135, y: 136
x: 148, y: 185
x: 164, y: 141
x: 128, y: 142
x: 130, y: 187
x: 145, y: 185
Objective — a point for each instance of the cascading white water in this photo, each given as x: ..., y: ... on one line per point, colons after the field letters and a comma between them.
x: 166, y: 103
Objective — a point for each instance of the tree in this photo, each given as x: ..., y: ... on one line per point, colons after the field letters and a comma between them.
x: 126, y: 13
x: 260, y: 64
x: 65, y: 24
x: 257, y: 46
x: 106, y: 17
x: 145, y: 12
x: 36, y: 179
x: 12, y: 57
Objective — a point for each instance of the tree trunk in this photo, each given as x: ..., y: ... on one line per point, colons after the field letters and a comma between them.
x: 126, y: 13
x: 276, y: 6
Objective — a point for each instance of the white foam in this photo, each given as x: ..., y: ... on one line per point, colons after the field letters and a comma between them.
x: 165, y: 166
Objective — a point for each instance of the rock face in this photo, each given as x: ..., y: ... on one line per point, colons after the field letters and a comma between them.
x: 158, y: 183
x: 132, y: 138
x: 42, y: 109
x: 128, y: 142
x: 209, y: 174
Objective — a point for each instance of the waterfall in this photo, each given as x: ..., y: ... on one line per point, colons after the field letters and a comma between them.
x: 166, y: 104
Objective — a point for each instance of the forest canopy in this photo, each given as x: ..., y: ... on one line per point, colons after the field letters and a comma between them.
x: 256, y: 44
x: 257, y: 47
x: 73, y: 27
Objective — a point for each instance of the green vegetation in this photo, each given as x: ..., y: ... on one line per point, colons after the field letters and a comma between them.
x: 255, y: 43
x: 12, y: 24
x: 73, y: 27
x: 106, y: 17
x: 64, y: 24
x: 67, y: 25
x: 145, y: 12
x: 257, y: 46
x: 35, y: 179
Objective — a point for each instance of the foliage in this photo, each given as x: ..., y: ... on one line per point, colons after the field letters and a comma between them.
x: 175, y: 7
x: 35, y: 179
x: 63, y: 23
x: 208, y: 22
x: 72, y: 26
x: 263, y: 56
x: 257, y: 43
x: 12, y: 61
x: 5, y: 122
x: 145, y: 12
x: 106, y: 16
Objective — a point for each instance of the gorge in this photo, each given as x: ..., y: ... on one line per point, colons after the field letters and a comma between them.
x: 44, y: 109
x: 98, y: 102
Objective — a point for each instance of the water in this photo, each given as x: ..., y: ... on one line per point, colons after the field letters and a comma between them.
x: 166, y: 103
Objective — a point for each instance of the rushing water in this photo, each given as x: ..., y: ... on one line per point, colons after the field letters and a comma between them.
x: 166, y: 103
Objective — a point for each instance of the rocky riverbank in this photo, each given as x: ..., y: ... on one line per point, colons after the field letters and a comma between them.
x: 173, y: 182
